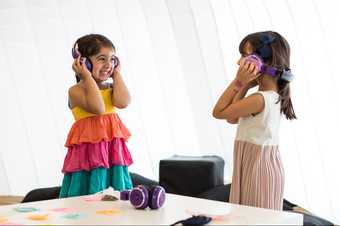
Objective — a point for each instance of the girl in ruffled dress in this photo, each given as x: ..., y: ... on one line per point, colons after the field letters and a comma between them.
x: 97, y: 155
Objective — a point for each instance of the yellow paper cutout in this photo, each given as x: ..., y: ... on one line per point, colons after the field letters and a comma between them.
x: 108, y: 212
x: 38, y: 217
x: 3, y: 220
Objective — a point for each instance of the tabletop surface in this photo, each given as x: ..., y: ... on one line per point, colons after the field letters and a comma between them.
x: 90, y: 210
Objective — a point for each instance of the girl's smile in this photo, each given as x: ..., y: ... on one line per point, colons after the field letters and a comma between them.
x: 103, y: 64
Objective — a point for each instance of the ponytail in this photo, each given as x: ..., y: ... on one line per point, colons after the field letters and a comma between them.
x: 286, y: 102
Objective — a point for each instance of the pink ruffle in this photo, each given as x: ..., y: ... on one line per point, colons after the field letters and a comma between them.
x: 87, y: 156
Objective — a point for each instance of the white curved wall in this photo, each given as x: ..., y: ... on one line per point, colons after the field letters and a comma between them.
x: 177, y: 57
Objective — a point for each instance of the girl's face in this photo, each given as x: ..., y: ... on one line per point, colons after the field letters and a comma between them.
x: 247, y: 50
x: 103, y: 64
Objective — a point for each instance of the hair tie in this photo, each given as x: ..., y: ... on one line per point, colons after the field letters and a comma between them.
x: 287, y: 75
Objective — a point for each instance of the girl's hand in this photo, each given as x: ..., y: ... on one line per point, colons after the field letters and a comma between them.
x: 116, y: 69
x: 247, y: 73
x: 80, y: 68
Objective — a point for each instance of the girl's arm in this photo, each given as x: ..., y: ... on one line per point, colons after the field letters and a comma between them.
x: 232, y: 104
x: 243, y: 91
x: 239, y: 95
x: 86, y: 93
x: 120, y: 96
x: 245, y: 107
x: 226, y: 100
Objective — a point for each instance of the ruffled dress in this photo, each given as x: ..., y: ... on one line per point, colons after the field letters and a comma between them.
x: 97, y: 155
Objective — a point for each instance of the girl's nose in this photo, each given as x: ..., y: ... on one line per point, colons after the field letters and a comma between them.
x: 108, y: 63
x: 239, y: 61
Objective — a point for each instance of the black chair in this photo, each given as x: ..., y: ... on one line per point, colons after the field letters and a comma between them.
x: 191, y: 175
x: 41, y: 194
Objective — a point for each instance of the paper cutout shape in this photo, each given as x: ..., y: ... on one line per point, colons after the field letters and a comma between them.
x: 108, y: 212
x: 38, y: 217
x: 64, y: 210
x: 9, y: 223
x: 25, y: 209
x: 3, y: 220
x: 74, y: 216
x: 93, y: 198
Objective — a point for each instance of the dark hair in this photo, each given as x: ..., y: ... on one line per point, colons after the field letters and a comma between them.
x: 91, y: 44
x: 279, y: 58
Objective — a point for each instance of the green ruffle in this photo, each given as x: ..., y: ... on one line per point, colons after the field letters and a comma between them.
x: 90, y: 182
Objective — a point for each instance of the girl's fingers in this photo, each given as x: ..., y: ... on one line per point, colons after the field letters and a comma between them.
x: 247, y: 65
x: 76, y: 66
x: 82, y: 64
x: 251, y: 68
x: 244, y: 67
x: 78, y: 61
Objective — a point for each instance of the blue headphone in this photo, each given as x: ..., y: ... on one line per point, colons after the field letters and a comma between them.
x: 264, y: 53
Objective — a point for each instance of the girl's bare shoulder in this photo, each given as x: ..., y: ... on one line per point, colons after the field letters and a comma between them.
x: 75, y: 91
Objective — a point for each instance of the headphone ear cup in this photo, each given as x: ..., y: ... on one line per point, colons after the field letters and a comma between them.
x: 253, y: 58
x: 76, y: 54
x: 156, y: 197
x: 139, y: 197
x: 88, y: 64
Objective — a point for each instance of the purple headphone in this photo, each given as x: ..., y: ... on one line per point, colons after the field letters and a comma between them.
x: 264, y: 53
x: 76, y: 54
x: 265, y: 69
x: 141, y: 197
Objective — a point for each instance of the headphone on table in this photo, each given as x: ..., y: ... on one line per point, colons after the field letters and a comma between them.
x: 142, y: 197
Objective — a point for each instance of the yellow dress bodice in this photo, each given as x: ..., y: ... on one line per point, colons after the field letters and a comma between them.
x: 80, y: 113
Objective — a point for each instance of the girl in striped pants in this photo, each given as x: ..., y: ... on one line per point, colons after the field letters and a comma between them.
x: 258, y: 175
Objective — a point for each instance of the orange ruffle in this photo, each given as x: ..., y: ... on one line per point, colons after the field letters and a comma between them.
x: 97, y: 128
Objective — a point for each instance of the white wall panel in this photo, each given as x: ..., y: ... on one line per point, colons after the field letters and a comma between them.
x: 194, y: 69
x: 147, y: 92
x: 177, y: 57
x: 169, y: 70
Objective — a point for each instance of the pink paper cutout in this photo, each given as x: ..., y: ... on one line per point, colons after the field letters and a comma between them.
x: 64, y: 210
x: 93, y: 198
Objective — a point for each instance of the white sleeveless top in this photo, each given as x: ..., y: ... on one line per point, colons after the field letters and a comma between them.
x: 263, y: 128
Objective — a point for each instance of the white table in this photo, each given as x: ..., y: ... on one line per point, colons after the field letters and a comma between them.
x: 122, y: 213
